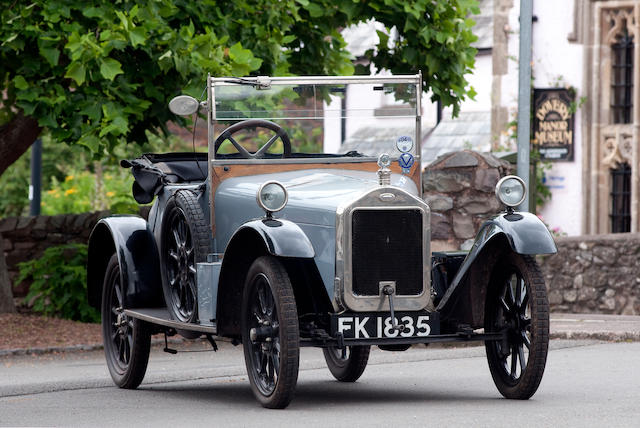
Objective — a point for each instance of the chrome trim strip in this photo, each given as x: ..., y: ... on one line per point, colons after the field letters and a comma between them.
x: 211, y: 114
x: 310, y: 80
x: 418, y: 157
x: 319, y: 160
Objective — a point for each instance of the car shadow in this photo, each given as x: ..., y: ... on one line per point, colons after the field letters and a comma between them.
x: 314, y: 393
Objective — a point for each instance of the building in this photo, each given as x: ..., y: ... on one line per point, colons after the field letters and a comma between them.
x: 587, y: 50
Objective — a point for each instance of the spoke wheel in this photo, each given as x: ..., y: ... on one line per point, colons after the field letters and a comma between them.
x: 126, y: 340
x: 347, y: 364
x: 270, y: 333
x: 185, y: 242
x: 517, y: 305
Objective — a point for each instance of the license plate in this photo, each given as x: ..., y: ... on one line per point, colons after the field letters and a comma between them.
x: 371, y: 325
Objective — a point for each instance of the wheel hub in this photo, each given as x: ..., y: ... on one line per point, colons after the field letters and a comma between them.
x: 122, y: 323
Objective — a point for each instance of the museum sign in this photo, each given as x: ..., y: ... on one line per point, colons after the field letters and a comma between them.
x: 553, y: 124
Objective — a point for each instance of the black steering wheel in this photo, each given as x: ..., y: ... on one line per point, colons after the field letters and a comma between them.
x: 255, y: 123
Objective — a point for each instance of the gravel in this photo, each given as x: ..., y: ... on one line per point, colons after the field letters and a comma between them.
x: 28, y: 331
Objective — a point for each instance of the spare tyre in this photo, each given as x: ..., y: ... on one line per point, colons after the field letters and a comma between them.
x: 185, y: 242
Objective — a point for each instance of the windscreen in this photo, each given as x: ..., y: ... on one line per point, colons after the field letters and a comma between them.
x: 350, y: 120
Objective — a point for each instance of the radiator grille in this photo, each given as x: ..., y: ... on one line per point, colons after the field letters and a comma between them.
x: 387, y: 246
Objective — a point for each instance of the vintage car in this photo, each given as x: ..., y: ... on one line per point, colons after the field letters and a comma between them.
x: 282, y: 237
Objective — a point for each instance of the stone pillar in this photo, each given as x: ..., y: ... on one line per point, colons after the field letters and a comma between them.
x: 459, y: 188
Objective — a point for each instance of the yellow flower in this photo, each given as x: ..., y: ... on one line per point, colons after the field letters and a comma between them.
x: 52, y: 191
x: 70, y: 191
x: 111, y: 194
x: 68, y: 178
x: 108, y: 176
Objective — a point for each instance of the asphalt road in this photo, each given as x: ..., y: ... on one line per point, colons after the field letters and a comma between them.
x: 586, y: 383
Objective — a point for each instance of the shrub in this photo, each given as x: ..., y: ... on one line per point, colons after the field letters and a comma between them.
x: 59, y: 285
x: 84, y: 191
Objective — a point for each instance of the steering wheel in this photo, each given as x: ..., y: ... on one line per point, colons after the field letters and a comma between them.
x: 255, y: 123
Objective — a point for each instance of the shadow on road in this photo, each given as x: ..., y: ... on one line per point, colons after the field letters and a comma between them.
x: 312, y: 394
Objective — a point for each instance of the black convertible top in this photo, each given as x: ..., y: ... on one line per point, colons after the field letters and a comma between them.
x: 174, y: 167
x: 153, y: 170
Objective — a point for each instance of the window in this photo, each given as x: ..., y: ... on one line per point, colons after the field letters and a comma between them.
x: 622, y: 78
x: 621, y: 199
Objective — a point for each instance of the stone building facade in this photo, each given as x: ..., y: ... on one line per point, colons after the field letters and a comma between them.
x: 609, y: 33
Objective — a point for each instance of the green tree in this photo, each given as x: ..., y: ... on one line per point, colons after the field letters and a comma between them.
x: 100, y: 73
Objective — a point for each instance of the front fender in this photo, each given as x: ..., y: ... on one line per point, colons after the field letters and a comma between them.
x: 255, y: 238
x: 281, y: 238
x: 132, y: 240
x: 525, y: 233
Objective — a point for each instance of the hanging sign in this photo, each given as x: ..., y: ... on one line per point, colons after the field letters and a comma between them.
x: 553, y: 124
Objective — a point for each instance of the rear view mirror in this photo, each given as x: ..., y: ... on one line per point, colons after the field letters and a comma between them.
x: 183, y: 105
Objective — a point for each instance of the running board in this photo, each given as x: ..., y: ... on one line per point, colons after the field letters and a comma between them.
x: 160, y: 316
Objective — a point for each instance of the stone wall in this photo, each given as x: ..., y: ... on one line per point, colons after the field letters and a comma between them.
x: 26, y: 238
x: 460, y: 189
x: 594, y: 274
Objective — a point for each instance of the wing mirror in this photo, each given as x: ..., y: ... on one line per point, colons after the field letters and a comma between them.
x: 184, y: 105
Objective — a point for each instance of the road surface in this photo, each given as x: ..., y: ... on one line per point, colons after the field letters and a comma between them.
x: 586, y: 383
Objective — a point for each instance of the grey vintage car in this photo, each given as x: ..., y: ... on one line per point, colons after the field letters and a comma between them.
x: 281, y: 237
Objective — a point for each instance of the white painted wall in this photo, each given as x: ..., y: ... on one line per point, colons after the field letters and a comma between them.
x: 554, y: 59
x: 481, y: 81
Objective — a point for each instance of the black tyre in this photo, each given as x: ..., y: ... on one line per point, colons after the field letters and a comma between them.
x: 126, y: 340
x: 185, y: 242
x: 517, y: 302
x: 347, y: 364
x: 270, y: 333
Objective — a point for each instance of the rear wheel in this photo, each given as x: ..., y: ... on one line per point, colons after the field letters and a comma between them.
x: 126, y: 340
x: 270, y: 334
x: 517, y: 304
x: 347, y: 364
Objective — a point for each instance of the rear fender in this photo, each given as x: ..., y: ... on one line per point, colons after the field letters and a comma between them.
x: 521, y: 232
x: 131, y: 239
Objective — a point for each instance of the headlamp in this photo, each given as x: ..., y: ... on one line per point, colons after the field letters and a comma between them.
x: 511, y: 190
x: 272, y: 196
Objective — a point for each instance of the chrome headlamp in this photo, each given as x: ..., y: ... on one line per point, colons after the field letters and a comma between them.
x: 511, y: 190
x: 272, y: 197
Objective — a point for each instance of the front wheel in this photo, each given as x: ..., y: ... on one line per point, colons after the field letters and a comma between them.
x: 347, y: 364
x: 126, y: 340
x: 270, y: 335
x: 517, y: 304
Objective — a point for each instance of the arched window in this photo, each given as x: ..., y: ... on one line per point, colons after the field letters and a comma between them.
x: 622, y: 78
x: 621, y: 199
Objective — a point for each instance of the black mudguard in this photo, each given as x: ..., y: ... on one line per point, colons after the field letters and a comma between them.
x: 521, y: 232
x: 132, y: 240
x: 281, y: 238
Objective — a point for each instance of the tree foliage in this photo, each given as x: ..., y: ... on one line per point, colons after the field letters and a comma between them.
x: 100, y: 73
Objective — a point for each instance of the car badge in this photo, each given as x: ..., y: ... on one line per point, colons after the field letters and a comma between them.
x: 406, y: 161
x: 386, y: 197
x: 404, y: 144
